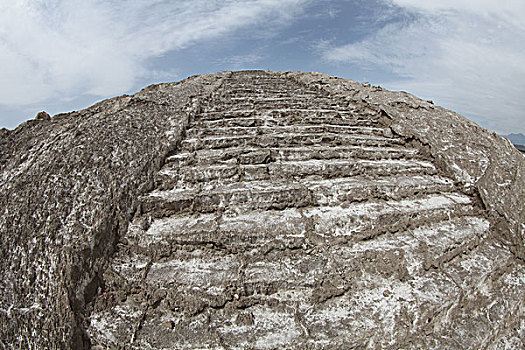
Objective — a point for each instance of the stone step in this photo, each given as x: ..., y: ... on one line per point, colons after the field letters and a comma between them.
x: 345, y: 168
x: 257, y: 155
x: 172, y: 176
x: 275, y: 100
x: 287, y: 140
x: 239, y: 230
x: 449, y: 239
x: 200, y: 132
x: 345, y: 152
x: 243, y: 234
x: 330, y: 192
x: 264, y: 82
x: 441, y: 240
x: 252, y: 78
x: 266, y: 105
x: 266, y: 195
x: 208, y: 278
x: 366, y: 220
x: 286, y: 113
x: 264, y: 88
x: 257, y: 92
x: 256, y: 195
x: 252, y: 118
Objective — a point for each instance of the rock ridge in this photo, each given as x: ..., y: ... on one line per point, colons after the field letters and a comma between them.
x: 261, y: 210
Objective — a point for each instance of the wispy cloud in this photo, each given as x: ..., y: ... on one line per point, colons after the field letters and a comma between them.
x: 65, y: 48
x: 468, y: 55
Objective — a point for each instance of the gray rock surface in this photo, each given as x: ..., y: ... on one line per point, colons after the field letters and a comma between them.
x: 261, y: 210
x: 68, y: 188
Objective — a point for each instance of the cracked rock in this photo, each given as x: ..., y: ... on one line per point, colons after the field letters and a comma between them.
x: 261, y: 210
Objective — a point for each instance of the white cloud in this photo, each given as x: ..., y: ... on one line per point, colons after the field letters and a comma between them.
x: 468, y: 55
x: 509, y: 11
x: 66, y: 48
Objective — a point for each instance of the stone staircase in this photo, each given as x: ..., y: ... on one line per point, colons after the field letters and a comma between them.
x: 290, y: 218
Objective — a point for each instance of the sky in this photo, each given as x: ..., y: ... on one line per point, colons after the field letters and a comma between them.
x: 64, y: 55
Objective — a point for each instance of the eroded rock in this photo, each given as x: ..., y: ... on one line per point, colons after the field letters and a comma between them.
x: 261, y: 210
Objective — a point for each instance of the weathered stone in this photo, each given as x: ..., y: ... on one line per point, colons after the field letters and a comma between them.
x: 42, y: 116
x: 261, y: 210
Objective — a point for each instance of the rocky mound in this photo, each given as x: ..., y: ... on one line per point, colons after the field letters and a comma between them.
x: 261, y: 210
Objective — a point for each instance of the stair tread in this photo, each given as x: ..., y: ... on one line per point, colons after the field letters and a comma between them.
x: 296, y: 168
x: 278, y: 129
x: 285, y: 139
x: 272, y: 195
x: 248, y: 119
x: 341, y: 220
x: 254, y: 111
x: 254, y: 155
x: 254, y: 186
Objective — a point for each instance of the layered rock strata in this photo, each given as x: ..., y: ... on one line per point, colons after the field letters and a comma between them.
x: 258, y: 210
